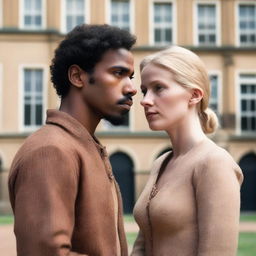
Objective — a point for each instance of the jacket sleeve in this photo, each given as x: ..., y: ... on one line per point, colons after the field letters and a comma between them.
x: 45, y: 190
x: 218, y: 203
x: 139, y: 246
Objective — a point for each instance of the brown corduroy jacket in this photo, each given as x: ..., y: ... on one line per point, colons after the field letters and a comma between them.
x: 60, y: 187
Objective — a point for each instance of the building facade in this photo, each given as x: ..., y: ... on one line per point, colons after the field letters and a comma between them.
x: 221, y: 32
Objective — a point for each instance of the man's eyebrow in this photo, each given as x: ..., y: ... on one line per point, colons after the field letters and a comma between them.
x: 122, y: 68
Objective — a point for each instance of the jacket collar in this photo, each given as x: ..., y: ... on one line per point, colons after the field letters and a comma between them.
x: 74, y: 127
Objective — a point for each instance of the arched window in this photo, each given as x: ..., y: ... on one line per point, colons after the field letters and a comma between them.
x: 248, y: 191
x: 122, y: 166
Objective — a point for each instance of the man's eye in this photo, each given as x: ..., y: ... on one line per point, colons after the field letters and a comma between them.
x: 118, y: 73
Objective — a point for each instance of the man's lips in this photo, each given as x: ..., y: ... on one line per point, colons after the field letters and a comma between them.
x: 126, y: 103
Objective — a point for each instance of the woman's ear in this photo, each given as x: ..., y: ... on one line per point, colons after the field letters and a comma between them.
x: 76, y: 76
x: 196, y: 96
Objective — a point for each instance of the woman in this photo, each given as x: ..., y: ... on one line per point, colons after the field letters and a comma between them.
x: 191, y: 203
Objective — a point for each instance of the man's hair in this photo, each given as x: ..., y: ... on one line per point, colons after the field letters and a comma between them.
x: 84, y: 46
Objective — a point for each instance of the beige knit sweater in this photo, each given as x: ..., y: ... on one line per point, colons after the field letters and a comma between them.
x: 195, y: 211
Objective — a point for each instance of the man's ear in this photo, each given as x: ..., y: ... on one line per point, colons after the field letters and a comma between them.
x: 196, y: 96
x: 76, y: 76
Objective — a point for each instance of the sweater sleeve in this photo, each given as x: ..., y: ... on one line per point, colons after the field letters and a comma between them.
x: 45, y: 190
x: 218, y: 204
x: 139, y: 246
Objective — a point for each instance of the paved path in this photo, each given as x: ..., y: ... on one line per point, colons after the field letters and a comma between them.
x: 7, y: 239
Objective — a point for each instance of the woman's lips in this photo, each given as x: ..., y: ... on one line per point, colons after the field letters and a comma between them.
x: 150, y: 114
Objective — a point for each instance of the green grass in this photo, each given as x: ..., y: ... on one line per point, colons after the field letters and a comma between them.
x: 6, y: 219
x: 131, y: 238
x: 128, y: 218
x: 247, y: 244
x: 248, y: 217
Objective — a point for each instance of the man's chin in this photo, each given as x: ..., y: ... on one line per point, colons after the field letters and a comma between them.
x: 117, y: 120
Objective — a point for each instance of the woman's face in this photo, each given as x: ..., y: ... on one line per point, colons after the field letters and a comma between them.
x: 165, y: 102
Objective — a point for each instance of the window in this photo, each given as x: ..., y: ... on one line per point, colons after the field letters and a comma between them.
x: 120, y: 14
x: 75, y: 13
x: 32, y: 14
x: 215, y: 92
x: 163, y: 23
x: 247, y: 24
x: 247, y: 92
x: 32, y: 98
x: 207, y: 25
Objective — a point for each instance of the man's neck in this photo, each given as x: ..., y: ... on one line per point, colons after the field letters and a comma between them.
x: 81, y: 113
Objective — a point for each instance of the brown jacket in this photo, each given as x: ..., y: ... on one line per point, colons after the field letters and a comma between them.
x: 60, y: 187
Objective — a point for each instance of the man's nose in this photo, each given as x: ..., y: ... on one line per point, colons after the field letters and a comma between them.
x: 129, y: 88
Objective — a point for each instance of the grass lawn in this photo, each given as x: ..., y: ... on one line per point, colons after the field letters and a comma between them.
x: 6, y: 219
x: 248, y: 217
x: 247, y: 241
x: 247, y: 244
x: 246, y: 247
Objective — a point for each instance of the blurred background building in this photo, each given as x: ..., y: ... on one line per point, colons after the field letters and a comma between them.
x: 221, y: 32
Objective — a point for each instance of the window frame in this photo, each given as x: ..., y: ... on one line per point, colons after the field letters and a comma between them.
x: 63, y: 15
x: 21, y: 17
x: 238, y: 129
x: 22, y: 67
x: 152, y: 24
x: 219, y: 86
x: 218, y: 22
x: 237, y: 26
x: 132, y: 16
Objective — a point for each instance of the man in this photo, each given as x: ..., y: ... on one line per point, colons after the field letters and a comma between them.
x: 63, y: 194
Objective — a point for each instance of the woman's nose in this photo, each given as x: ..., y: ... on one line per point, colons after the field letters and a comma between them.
x: 147, y: 100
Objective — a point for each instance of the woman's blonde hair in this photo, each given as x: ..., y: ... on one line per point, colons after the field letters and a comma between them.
x: 189, y: 71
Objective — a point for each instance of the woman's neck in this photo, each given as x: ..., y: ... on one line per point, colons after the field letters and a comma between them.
x: 186, y: 136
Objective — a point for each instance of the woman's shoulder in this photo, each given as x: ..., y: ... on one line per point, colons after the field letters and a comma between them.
x: 216, y: 159
x: 160, y: 161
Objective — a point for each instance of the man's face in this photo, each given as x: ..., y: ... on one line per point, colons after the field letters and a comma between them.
x: 109, y: 90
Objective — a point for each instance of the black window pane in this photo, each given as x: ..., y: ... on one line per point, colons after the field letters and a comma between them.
x: 27, y: 111
x: 212, y: 38
x: 157, y: 35
x: 201, y: 38
x: 253, y: 123
x: 244, y: 125
x: 243, y: 88
x: 243, y: 38
x: 243, y: 105
x: 253, y: 105
x: 168, y: 35
x: 39, y: 115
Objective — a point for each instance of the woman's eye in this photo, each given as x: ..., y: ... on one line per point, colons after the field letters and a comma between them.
x: 158, y: 88
x: 143, y: 91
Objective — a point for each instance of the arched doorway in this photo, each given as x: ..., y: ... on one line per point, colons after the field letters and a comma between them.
x: 122, y: 166
x: 248, y: 191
